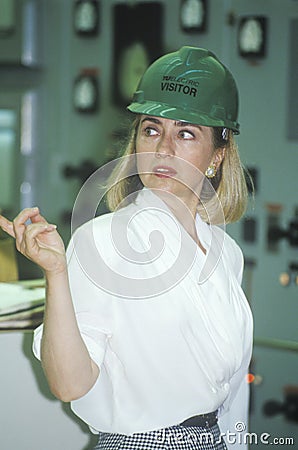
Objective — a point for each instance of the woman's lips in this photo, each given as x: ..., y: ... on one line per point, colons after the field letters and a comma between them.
x: 164, y: 171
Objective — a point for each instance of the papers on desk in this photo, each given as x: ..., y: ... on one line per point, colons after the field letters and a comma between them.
x: 21, y: 304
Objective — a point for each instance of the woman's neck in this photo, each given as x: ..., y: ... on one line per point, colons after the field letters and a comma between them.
x: 185, y: 213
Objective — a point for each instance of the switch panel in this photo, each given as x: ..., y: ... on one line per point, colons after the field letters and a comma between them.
x: 273, y: 226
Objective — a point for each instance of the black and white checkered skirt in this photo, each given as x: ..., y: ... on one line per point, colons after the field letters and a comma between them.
x: 176, y: 437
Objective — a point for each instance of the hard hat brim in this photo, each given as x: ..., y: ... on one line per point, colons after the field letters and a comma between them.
x: 185, y: 115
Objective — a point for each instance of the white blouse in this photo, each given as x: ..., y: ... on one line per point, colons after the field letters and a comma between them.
x: 169, y: 327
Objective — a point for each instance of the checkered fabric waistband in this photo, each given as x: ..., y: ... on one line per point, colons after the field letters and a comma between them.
x: 203, y: 420
x: 174, y: 437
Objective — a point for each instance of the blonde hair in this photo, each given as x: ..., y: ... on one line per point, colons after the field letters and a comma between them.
x: 229, y: 184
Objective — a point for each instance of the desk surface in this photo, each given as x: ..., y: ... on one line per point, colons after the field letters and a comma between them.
x: 21, y: 304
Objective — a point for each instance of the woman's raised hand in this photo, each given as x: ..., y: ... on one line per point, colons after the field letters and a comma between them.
x: 38, y: 241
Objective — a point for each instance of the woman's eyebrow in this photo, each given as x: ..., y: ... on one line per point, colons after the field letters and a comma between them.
x: 151, y: 119
x: 181, y: 123
x: 178, y: 123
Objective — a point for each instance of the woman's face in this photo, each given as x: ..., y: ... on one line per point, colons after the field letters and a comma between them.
x: 173, y: 156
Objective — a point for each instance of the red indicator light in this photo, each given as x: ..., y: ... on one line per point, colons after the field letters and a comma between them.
x: 250, y: 378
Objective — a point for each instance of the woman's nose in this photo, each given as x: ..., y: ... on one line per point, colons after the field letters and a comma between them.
x: 165, y: 147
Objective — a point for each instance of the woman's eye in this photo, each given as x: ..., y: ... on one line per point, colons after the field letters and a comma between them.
x: 185, y: 134
x: 148, y: 131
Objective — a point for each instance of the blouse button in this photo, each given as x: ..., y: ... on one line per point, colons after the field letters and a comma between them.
x: 226, y: 386
x: 214, y: 390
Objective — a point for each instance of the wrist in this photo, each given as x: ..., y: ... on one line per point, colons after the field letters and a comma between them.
x: 55, y: 274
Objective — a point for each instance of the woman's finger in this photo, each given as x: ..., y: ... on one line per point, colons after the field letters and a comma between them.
x: 7, y: 226
x: 38, y: 218
x: 30, y: 244
x: 19, y: 223
x: 26, y: 214
x: 43, y: 245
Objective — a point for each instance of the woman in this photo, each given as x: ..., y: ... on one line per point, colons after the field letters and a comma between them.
x: 146, y: 329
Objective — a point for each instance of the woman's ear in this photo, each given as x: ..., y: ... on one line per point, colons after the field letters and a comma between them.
x: 219, y: 157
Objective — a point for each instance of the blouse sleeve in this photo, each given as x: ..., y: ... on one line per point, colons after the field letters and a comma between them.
x: 92, y: 307
x: 234, y: 422
x: 238, y: 262
x: 233, y: 415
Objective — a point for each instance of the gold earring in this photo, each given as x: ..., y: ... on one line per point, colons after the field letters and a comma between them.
x: 211, y: 171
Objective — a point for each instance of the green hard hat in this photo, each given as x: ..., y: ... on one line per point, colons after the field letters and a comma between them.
x: 189, y: 85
